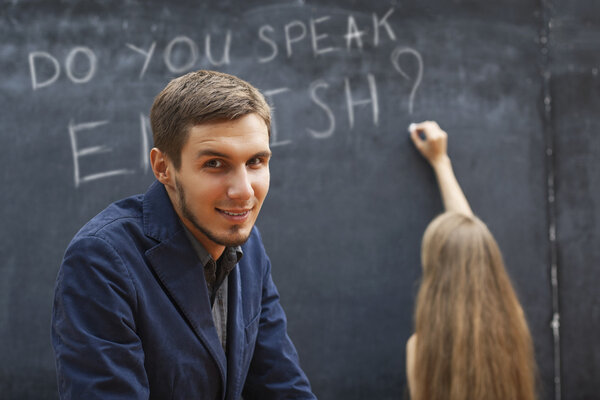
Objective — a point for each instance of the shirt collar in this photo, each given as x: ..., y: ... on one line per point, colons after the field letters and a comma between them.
x: 230, y: 257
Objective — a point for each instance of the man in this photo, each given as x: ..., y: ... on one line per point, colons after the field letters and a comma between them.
x: 168, y: 295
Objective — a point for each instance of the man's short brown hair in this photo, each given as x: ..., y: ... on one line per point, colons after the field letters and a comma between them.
x: 200, y: 97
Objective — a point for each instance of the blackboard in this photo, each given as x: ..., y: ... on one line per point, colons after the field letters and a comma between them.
x: 516, y: 85
x: 576, y: 93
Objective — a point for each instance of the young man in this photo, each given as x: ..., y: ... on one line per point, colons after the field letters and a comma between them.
x: 168, y: 295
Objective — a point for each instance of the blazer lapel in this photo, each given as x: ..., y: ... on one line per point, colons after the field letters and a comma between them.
x: 177, y: 266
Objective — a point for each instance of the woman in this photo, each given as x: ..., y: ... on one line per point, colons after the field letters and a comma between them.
x: 472, y: 339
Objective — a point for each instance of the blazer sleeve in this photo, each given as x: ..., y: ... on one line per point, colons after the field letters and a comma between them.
x: 275, y: 371
x: 98, y: 353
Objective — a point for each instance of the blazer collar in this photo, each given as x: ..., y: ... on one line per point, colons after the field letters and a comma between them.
x: 160, y: 219
x: 180, y: 271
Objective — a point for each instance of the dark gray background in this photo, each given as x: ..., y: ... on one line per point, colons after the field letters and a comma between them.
x: 509, y: 80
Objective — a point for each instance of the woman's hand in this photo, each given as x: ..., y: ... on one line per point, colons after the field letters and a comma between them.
x: 432, y: 143
x: 430, y: 140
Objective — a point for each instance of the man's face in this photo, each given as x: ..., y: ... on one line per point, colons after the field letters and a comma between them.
x: 222, y: 181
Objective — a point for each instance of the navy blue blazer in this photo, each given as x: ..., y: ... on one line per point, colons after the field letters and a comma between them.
x: 132, y: 318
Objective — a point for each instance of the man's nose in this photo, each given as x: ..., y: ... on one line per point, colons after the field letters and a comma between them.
x: 240, y: 185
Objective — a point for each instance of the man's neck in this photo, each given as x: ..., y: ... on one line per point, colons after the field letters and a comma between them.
x: 215, y: 250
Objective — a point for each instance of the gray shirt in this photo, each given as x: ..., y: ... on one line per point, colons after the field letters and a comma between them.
x: 215, y: 274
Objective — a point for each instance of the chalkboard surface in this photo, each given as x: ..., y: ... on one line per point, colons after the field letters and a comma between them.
x: 350, y: 197
x: 576, y: 92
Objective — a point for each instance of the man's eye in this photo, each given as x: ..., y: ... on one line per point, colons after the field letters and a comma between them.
x: 213, y: 164
x: 256, y: 161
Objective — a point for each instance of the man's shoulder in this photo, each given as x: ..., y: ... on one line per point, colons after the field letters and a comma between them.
x: 115, y: 217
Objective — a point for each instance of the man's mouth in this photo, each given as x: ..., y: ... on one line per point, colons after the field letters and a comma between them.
x: 235, y: 213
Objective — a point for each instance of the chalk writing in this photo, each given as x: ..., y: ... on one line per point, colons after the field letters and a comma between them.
x: 74, y: 129
x: 294, y: 32
x: 227, y: 46
x: 289, y: 39
x: 383, y: 22
x: 315, y: 37
x: 37, y: 56
x: 263, y: 37
x: 182, y: 54
x: 350, y: 102
x: 269, y: 94
x: 193, y: 56
x: 396, y: 61
x: 330, y: 117
x: 91, y: 57
x: 147, y: 56
x: 353, y: 34
x: 330, y: 99
x: 146, y: 132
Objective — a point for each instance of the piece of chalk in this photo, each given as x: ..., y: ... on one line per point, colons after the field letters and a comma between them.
x: 412, y: 127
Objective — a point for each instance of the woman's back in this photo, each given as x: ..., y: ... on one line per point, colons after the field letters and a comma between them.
x: 472, y: 339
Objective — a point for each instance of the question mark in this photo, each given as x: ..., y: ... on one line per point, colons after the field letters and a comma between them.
x: 398, y: 51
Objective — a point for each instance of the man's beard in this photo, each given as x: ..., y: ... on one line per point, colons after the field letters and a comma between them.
x: 235, y: 238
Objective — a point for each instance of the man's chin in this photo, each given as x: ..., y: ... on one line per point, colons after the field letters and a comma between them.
x: 233, y: 239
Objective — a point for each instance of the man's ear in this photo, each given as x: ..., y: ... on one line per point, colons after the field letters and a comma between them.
x: 161, y: 166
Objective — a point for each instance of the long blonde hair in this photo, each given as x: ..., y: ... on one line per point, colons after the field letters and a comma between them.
x: 472, y: 337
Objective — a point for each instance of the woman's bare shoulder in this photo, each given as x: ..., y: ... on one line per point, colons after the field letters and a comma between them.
x: 411, y: 342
